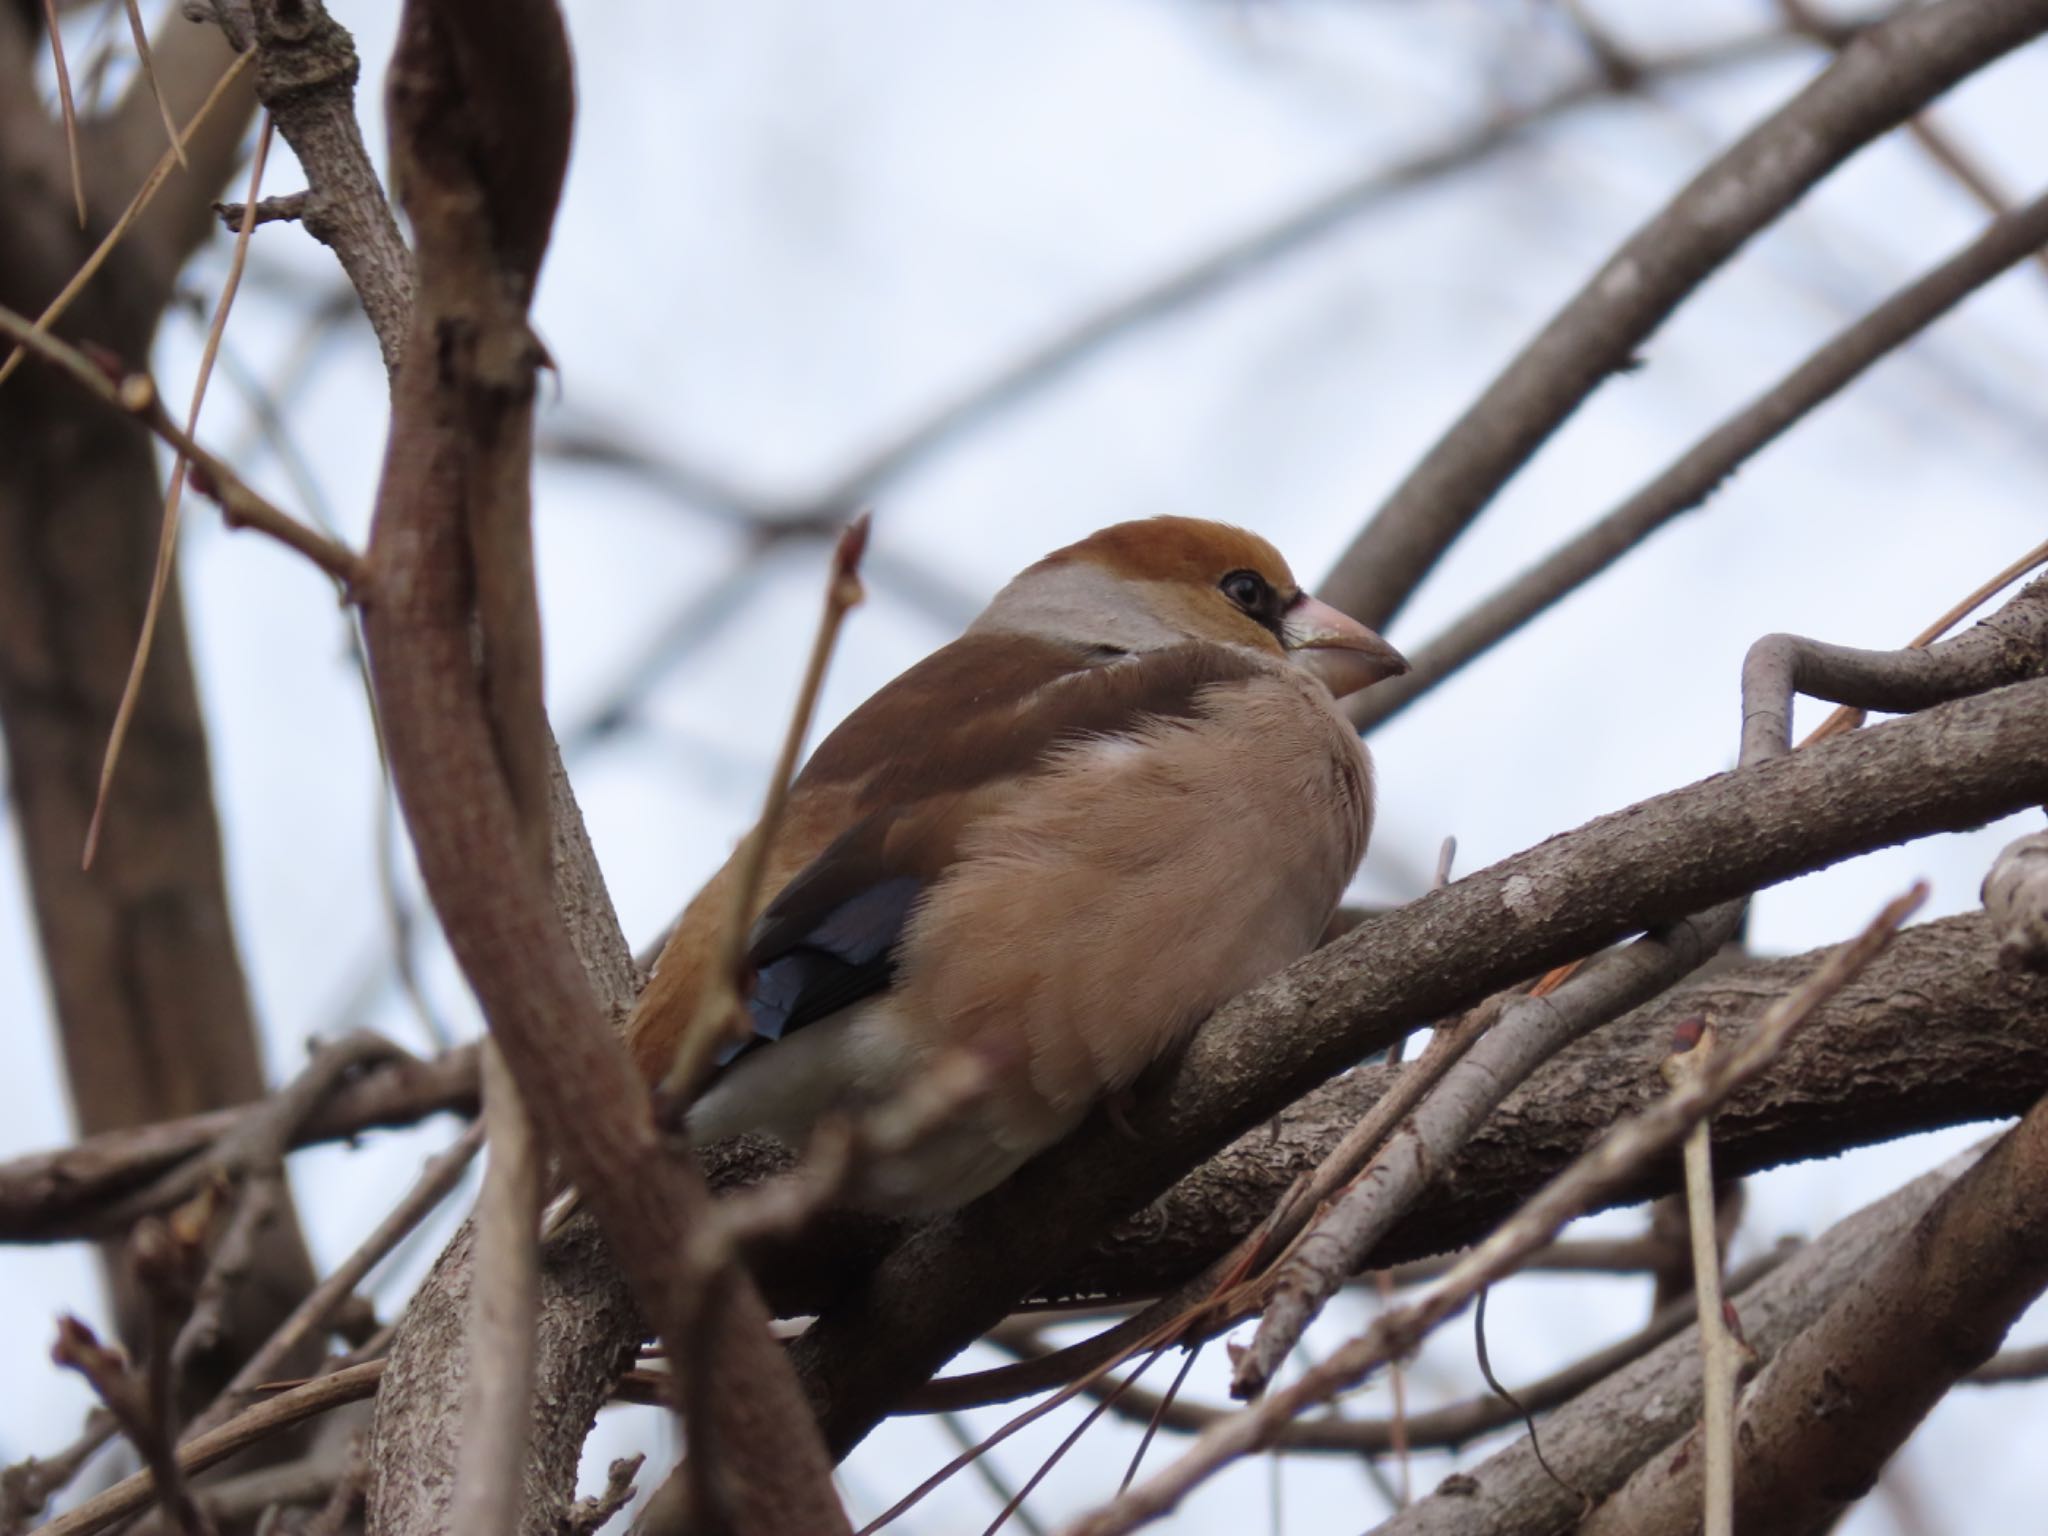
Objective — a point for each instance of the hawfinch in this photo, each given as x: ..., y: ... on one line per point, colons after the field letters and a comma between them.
x: 1124, y: 795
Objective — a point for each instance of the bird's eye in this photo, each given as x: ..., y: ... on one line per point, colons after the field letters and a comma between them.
x: 1247, y: 589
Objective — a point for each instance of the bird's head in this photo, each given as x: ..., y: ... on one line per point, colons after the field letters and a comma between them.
x: 1164, y: 581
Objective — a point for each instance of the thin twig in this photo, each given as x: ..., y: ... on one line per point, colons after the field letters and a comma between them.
x: 1006, y: 1497
x: 285, y: 209
x: 304, y: 1401
x: 241, y: 506
x: 1531, y: 1028
x: 1447, y: 1428
x: 435, y: 1181
x: 27, y: 1486
x: 1718, y: 1350
x: 167, y: 540
x: 504, y: 1303
x: 147, y: 56
x: 708, y: 1029
x: 144, y: 195
x: 141, y: 1420
x: 68, y: 108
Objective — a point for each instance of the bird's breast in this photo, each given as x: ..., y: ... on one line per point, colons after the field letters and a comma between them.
x: 1139, y: 882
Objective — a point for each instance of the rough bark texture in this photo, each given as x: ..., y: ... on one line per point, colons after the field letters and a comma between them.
x: 306, y: 69
x: 1932, y: 1034
x: 149, y: 998
x: 589, y: 1326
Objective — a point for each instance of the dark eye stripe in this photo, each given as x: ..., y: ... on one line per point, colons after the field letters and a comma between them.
x: 1258, y: 598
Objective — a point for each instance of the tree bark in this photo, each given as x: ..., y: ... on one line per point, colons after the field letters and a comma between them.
x: 146, y: 984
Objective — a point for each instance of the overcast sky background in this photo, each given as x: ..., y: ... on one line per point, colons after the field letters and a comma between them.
x: 792, y: 230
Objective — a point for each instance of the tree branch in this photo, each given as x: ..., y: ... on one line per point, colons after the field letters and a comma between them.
x: 1702, y: 469
x: 306, y: 70
x: 1881, y: 78
x: 1597, y: 1440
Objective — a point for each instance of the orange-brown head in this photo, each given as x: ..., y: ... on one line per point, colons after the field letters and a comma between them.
x: 1164, y: 581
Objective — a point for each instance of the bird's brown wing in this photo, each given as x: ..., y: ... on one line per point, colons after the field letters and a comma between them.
x: 829, y: 937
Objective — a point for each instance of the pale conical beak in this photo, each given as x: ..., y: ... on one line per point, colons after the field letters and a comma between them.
x: 1337, y: 648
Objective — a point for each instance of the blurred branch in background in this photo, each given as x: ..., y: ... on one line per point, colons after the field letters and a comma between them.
x: 151, y: 1006
x: 1883, y: 76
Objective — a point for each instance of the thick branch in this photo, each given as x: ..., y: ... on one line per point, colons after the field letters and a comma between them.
x: 1882, y: 77
x: 480, y: 109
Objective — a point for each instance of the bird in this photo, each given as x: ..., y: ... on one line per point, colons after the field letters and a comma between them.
x: 1123, y: 795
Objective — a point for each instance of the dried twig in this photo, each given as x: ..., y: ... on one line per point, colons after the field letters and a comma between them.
x: 1626, y: 1148
x: 1447, y: 1428
x: 498, y: 1397
x: 712, y: 1023
x: 140, y: 1413
x: 147, y: 58
x: 306, y: 1401
x: 435, y: 1181
x: 136, y: 394
x: 1718, y: 1350
x: 66, y: 106
x: 141, y: 201
x: 1530, y: 1031
x: 167, y: 541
